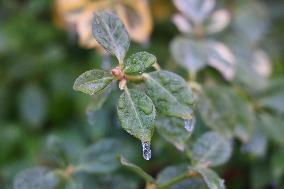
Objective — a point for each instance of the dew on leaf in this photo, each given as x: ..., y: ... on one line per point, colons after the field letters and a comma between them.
x: 189, y: 124
x: 146, y: 150
x: 222, y: 184
x: 145, y: 107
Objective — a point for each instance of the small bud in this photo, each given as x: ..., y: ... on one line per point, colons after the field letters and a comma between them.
x: 117, y: 73
x: 122, y: 84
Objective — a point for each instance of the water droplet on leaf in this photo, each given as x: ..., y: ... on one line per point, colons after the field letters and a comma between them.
x: 145, y: 107
x: 146, y: 150
x: 189, y: 124
x: 222, y: 184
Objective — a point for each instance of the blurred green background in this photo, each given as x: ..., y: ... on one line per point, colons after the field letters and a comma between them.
x: 38, y: 65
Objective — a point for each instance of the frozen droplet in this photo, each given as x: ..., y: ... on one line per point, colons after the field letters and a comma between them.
x: 189, y: 124
x: 146, y: 150
x: 222, y: 184
x: 147, y: 108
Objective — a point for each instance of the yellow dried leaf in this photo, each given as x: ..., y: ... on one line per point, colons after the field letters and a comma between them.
x: 136, y: 16
x: 84, y: 23
x: 63, y: 7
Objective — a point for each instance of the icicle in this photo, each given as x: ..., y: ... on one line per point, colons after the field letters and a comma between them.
x: 189, y: 124
x: 146, y: 150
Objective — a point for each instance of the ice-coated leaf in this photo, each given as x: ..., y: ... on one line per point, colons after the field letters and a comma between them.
x: 189, y: 53
x: 225, y: 112
x: 170, y: 94
x: 101, y: 156
x: 110, y: 33
x: 182, y: 23
x: 273, y: 96
x: 212, y: 149
x: 172, y: 129
x: 221, y: 58
x: 148, y: 178
x: 93, y: 81
x: 273, y: 127
x: 139, y: 62
x: 218, y: 21
x: 35, y: 178
x: 257, y: 144
x: 196, y: 10
x: 211, y: 178
x: 136, y: 113
x: 252, y: 20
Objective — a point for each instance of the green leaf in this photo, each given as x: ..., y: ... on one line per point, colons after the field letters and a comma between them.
x: 170, y: 94
x: 110, y: 33
x: 136, y: 113
x: 211, y: 148
x: 93, y: 81
x: 221, y: 58
x: 139, y: 62
x: 101, y: 156
x: 148, y: 178
x: 189, y: 53
x: 172, y: 129
x: 195, y: 10
x: 273, y: 126
x: 257, y: 144
x: 225, y: 112
x: 35, y: 178
x: 210, y: 178
x: 273, y: 96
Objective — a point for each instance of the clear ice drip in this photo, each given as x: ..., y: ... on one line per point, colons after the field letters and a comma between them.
x: 189, y: 124
x: 146, y: 150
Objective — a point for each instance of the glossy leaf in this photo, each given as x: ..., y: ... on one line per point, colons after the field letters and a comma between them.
x: 212, y: 149
x: 148, y: 178
x: 196, y: 10
x: 93, y: 81
x: 225, y: 112
x: 221, y: 58
x: 136, y: 113
x: 273, y: 126
x: 170, y: 94
x: 189, y: 53
x: 211, y: 178
x: 101, y: 156
x: 110, y: 33
x: 251, y: 19
x: 182, y: 23
x: 139, y: 62
x: 218, y: 21
x: 172, y: 129
x: 35, y: 178
x: 273, y: 96
x: 257, y: 144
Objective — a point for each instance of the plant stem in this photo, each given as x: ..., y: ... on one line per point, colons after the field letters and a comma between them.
x: 157, y: 66
x: 134, y: 77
